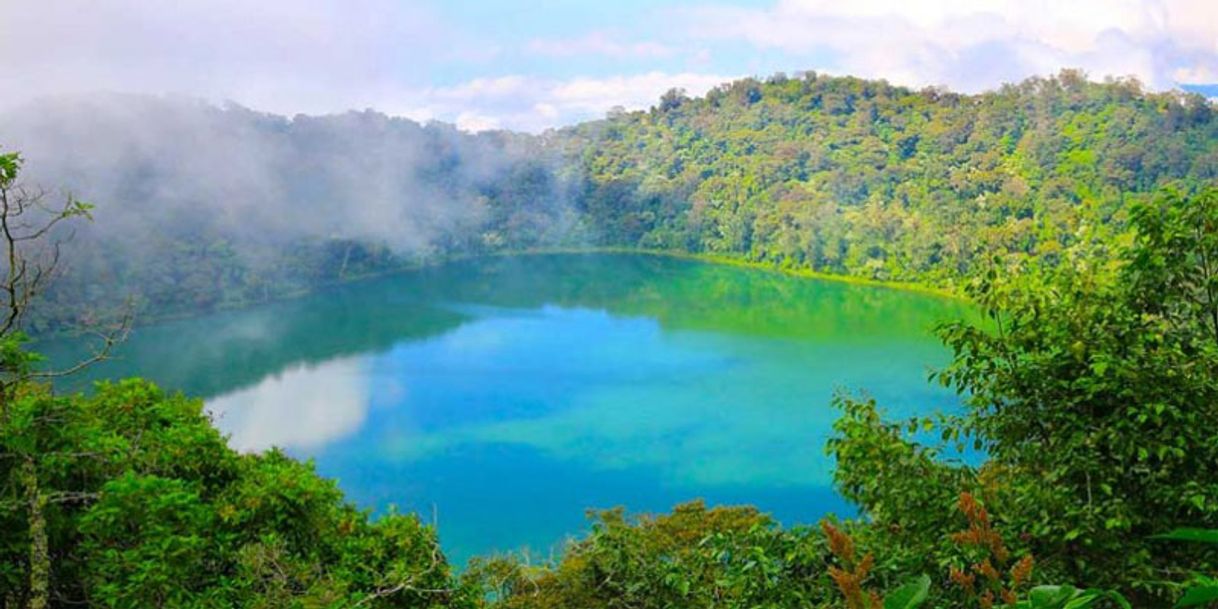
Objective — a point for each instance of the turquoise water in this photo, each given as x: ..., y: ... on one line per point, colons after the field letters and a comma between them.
x: 504, y: 397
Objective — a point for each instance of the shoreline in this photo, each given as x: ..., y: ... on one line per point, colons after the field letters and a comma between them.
x: 906, y: 286
x: 439, y: 261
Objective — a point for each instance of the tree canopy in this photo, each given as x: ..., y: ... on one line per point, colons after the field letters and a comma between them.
x: 1080, y: 217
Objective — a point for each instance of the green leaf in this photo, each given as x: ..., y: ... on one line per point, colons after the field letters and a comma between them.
x: 911, y: 594
x: 1051, y: 597
x: 1118, y: 599
x: 1082, y: 600
x: 1197, y: 595
x: 1186, y: 534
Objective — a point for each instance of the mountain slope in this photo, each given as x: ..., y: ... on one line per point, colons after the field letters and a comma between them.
x: 863, y: 178
x: 202, y: 207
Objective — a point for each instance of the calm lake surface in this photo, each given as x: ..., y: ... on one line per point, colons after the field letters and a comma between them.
x: 506, y: 396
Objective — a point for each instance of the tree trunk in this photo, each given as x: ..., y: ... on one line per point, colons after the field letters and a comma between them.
x: 40, y: 556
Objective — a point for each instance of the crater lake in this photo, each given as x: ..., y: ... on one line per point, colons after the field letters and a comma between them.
x: 504, y: 397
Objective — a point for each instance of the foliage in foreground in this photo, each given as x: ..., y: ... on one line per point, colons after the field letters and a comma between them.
x: 1202, y: 589
x: 1094, y: 401
x: 693, y: 557
x: 146, y: 506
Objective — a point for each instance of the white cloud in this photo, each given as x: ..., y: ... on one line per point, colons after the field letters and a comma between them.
x: 1201, y: 74
x: 481, y: 88
x: 597, y: 43
x: 631, y: 92
x: 534, y: 104
x: 310, y: 56
x: 474, y: 122
x: 976, y: 44
x: 325, y: 56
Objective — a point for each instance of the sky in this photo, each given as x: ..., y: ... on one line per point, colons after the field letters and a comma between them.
x: 536, y: 64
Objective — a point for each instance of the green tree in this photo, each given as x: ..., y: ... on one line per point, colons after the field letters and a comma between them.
x: 1092, y: 393
x: 30, y: 244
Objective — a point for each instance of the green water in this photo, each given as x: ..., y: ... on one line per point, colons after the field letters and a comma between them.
x: 503, y: 397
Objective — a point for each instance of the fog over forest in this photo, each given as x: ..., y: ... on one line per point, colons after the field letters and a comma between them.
x: 201, y: 207
x: 184, y: 183
x: 178, y: 163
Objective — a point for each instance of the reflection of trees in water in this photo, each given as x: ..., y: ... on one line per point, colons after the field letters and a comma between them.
x: 219, y: 353
x: 223, y: 352
x: 683, y: 294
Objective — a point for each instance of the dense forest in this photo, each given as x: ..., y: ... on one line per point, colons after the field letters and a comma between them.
x: 1081, y: 217
x: 859, y: 177
x: 202, y: 207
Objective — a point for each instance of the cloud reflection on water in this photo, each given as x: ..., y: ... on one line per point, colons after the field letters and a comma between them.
x: 578, y: 386
x: 303, y: 407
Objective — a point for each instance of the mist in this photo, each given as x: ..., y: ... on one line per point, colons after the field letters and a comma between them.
x: 244, y: 191
x: 166, y: 162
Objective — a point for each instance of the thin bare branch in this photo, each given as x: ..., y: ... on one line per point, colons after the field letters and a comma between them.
x: 108, y: 341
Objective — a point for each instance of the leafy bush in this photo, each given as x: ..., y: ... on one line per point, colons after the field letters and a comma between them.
x: 1202, y: 588
x: 145, y: 505
x: 693, y: 557
x: 1093, y: 393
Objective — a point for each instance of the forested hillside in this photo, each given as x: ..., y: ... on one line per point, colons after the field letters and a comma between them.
x: 859, y: 177
x: 200, y: 207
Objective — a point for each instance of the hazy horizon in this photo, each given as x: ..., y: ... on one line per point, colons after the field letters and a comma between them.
x: 531, y: 67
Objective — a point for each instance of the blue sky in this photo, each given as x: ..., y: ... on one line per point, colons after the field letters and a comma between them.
x: 545, y: 63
